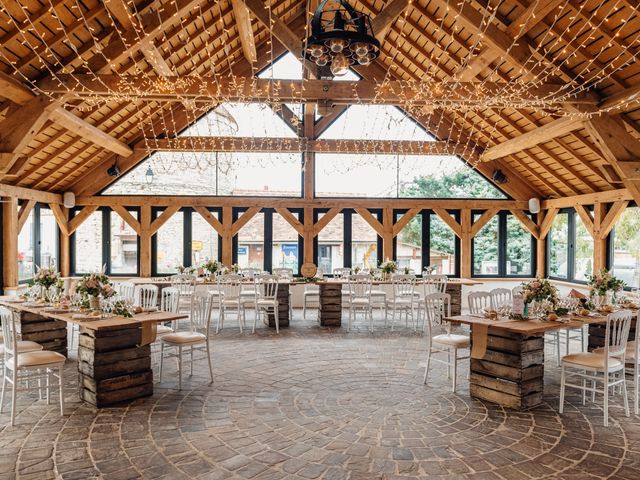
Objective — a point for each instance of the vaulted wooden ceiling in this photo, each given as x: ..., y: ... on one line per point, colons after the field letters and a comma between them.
x: 68, y: 143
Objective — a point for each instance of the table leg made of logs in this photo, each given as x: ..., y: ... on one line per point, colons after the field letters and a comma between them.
x: 330, y: 313
x: 511, y: 371
x: 50, y: 333
x: 283, y: 298
x: 112, y: 366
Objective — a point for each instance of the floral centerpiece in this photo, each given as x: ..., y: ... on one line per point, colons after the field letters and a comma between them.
x: 603, y: 282
x: 388, y: 267
x: 538, y: 290
x: 120, y: 308
x: 212, y: 266
x: 95, y: 285
x: 185, y: 270
x: 46, y: 278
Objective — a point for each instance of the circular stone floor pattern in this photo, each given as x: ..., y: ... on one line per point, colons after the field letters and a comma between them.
x: 323, y: 404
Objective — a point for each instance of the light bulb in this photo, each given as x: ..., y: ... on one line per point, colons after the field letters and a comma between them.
x: 316, y: 50
x: 322, y: 60
x: 338, y: 44
x: 340, y: 65
x: 360, y: 48
x: 365, y: 59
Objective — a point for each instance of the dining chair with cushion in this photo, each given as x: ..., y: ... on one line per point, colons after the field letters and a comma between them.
x: 146, y: 296
x: 24, y: 366
x: 169, y: 302
x: 478, y: 301
x: 266, y: 300
x: 402, y: 300
x: 604, y: 365
x: 500, y: 297
x: 360, y: 298
x: 427, y: 285
x: 437, y: 308
x: 230, y: 298
x: 185, y: 283
x: 196, y: 339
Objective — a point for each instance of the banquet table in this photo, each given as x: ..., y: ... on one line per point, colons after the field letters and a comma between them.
x: 507, y: 356
x: 114, y: 354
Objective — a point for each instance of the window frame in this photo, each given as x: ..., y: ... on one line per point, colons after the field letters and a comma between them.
x: 571, y: 249
x: 611, y: 244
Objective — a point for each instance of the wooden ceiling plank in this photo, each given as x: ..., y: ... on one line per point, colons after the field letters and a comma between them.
x: 245, y: 32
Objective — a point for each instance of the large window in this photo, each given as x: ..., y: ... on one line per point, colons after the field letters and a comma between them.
x: 170, y: 244
x: 48, y: 238
x: 364, y: 243
x: 204, y: 240
x: 251, y: 243
x: 569, y: 248
x: 88, y: 246
x: 503, y: 248
x: 284, y: 246
x: 442, y: 246
x: 625, y: 252
x: 558, y: 247
x: 409, y: 244
x: 26, y: 249
x: 123, y: 246
x: 583, y: 259
x: 331, y: 245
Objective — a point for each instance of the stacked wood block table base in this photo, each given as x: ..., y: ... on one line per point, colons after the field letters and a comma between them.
x: 283, y: 308
x: 330, y: 304
x: 455, y: 290
x: 511, y: 371
x: 112, y: 367
x: 50, y: 333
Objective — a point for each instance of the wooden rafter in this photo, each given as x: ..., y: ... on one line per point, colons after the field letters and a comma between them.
x: 245, y: 32
x: 382, y: 22
x: 23, y: 214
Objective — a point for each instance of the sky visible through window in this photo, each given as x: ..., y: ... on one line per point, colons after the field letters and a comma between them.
x: 280, y: 174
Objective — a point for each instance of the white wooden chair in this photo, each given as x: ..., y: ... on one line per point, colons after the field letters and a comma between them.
x: 426, y: 286
x: 24, y: 367
x: 605, y: 365
x: 229, y: 294
x: 169, y: 302
x: 185, y: 283
x: 478, y: 301
x: 266, y: 299
x: 197, y: 338
x: 437, y: 307
x: 402, y: 299
x: 126, y: 291
x: 500, y: 297
x: 23, y: 346
x: 146, y: 296
x: 360, y: 298
x: 311, y: 296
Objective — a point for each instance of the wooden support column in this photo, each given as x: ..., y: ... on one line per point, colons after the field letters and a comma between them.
x: 387, y: 233
x: 309, y: 174
x: 465, y: 243
x: 308, y: 235
x: 599, y: 240
x: 145, y: 241
x: 10, y: 243
x: 227, y: 236
x: 65, y: 255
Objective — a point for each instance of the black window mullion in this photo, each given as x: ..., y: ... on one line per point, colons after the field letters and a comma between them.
x: 347, y: 222
x: 502, y: 244
x: 456, y: 216
x: 234, y: 240
x: 268, y: 240
x: 571, y: 254
x: 426, y: 239
x: 187, y: 236
x: 37, y: 238
x: 106, y: 240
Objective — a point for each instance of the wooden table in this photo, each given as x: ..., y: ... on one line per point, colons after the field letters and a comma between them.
x: 114, y: 354
x: 331, y: 298
x: 507, y: 357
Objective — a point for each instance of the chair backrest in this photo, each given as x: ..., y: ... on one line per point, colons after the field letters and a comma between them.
x: 127, y: 291
x: 341, y: 272
x: 200, y: 317
x: 403, y: 284
x: 437, y: 307
x: 283, y: 273
x: 147, y: 296
x: 229, y: 286
x: 360, y: 285
x: 170, y: 299
x: 249, y: 272
x: 267, y: 287
x: 184, y: 282
x: 434, y: 284
x: 500, y: 297
x: 9, y: 335
x: 617, y: 335
x: 478, y: 301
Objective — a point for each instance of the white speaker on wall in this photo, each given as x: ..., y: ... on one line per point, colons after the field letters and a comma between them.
x: 534, y: 205
x: 69, y: 199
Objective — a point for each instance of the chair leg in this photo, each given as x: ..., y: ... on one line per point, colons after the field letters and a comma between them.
x: 584, y: 391
x: 304, y: 310
x: 455, y: 368
x: 276, y: 314
x: 179, y: 368
x: 255, y: 320
x: 557, y: 335
x: 61, y: 389
x: 606, y: 399
x: 448, y: 363
x: 220, y: 319
x: 209, y: 360
x: 191, y: 372
x: 4, y: 385
x: 625, y: 397
x: 562, y: 380
x: 13, y: 396
x: 426, y: 369
x: 161, y: 358
x: 636, y: 381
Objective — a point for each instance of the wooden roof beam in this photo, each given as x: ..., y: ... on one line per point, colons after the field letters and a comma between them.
x: 529, y: 18
x: 556, y: 128
x: 382, y: 22
x: 245, y: 32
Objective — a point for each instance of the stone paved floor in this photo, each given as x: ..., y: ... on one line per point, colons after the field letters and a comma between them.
x: 317, y: 403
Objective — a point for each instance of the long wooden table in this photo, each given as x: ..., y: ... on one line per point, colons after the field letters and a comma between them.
x: 114, y: 354
x: 507, y: 356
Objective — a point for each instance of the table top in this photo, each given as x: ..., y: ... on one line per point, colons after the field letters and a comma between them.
x: 337, y: 281
x: 111, y: 323
x: 528, y: 326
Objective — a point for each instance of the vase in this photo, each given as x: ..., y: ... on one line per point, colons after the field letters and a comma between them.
x: 94, y: 302
x: 525, y: 311
x: 43, y: 293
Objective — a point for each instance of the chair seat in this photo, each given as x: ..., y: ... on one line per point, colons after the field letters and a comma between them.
x: 360, y: 301
x: 231, y: 301
x: 401, y: 301
x: 378, y: 293
x: 630, y: 353
x: 312, y: 294
x: 267, y: 303
x: 184, y: 338
x: 453, y: 340
x: 40, y: 358
x: 590, y: 360
x: 163, y: 330
x: 24, y: 346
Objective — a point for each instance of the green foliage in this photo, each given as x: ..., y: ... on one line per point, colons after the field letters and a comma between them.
x: 461, y: 184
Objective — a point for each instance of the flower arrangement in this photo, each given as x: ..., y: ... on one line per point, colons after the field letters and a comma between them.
x: 46, y: 277
x: 539, y: 289
x: 185, y: 270
x: 95, y: 284
x: 388, y: 266
x: 120, y: 308
x: 212, y: 266
x: 603, y: 281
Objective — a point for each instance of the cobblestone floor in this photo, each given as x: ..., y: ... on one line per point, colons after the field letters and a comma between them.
x: 317, y: 403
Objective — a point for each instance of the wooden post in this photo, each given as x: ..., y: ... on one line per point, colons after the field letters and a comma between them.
x: 465, y: 243
x: 541, y: 250
x: 145, y: 241
x: 10, y: 243
x: 309, y: 174
x: 387, y: 233
x: 309, y: 235
x: 227, y: 236
x: 599, y: 239
x: 65, y: 255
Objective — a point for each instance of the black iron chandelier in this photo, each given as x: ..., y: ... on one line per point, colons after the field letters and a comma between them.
x: 340, y: 37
